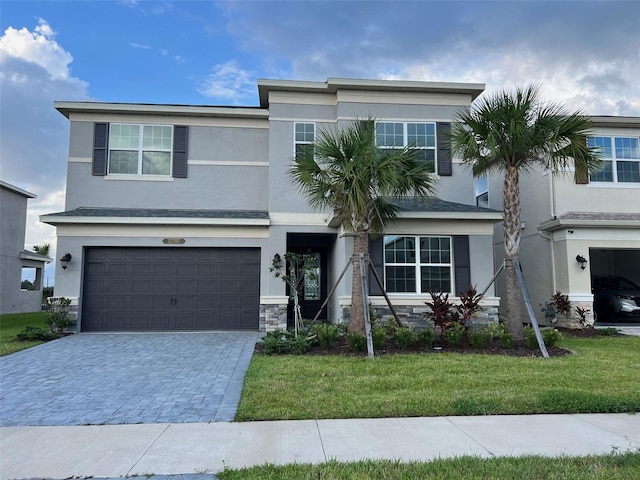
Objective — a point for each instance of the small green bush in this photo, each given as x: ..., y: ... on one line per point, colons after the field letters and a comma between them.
x: 426, y: 337
x: 280, y: 342
x: 326, y: 334
x: 480, y: 338
x: 607, y: 332
x: 453, y: 336
x: 58, y: 314
x: 404, y: 338
x: 35, y: 334
x: 506, y: 340
x: 551, y: 337
x: 530, y: 339
x: 356, y: 342
x: 378, y: 337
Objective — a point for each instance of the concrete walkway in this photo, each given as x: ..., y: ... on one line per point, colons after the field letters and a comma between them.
x: 188, y: 448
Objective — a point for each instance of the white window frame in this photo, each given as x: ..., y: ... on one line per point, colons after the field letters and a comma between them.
x: 614, y: 162
x: 417, y: 264
x: 140, y: 150
x: 302, y: 142
x: 405, y: 138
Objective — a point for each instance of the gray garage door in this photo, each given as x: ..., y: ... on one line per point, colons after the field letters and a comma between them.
x: 171, y: 289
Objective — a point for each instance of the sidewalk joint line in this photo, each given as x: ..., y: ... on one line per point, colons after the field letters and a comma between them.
x: 471, y: 437
x: 324, y: 453
x: 148, y: 448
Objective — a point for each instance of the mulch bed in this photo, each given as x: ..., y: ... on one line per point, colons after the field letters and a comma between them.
x: 341, y: 348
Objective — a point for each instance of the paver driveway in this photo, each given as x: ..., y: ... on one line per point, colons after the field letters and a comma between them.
x: 126, y: 378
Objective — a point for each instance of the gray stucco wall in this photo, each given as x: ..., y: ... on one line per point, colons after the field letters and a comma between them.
x: 13, y: 211
x: 206, y: 187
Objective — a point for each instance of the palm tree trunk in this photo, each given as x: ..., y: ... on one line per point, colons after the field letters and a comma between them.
x: 356, y: 320
x: 512, y: 230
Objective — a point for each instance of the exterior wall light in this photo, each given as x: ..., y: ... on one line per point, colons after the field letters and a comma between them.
x: 64, y: 260
x: 582, y: 261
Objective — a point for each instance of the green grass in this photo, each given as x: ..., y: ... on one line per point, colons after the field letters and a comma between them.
x: 609, y: 467
x: 602, y: 376
x: 13, y: 323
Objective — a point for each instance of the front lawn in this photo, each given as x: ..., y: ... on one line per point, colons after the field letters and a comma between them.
x: 13, y: 323
x: 610, y: 467
x: 602, y: 376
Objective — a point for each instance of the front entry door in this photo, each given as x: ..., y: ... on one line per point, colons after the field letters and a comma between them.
x: 313, y: 291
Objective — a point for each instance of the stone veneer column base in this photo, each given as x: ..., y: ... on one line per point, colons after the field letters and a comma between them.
x: 416, y: 316
x: 273, y: 317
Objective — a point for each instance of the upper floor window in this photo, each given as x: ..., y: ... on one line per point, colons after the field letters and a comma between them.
x: 414, y: 264
x: 140, y: 149
x: 305, y: 136
x: 421, y: 136
x: 621, y: 159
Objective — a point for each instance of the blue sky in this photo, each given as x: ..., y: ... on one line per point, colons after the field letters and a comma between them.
x: 585, y: 54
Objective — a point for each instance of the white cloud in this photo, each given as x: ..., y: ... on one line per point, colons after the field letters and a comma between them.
x: 139, y: 45
x: 229, y: 83
x: 38, y: 47
x: 34, y: 71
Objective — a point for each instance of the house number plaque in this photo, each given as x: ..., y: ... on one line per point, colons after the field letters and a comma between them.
x: 173, y: 241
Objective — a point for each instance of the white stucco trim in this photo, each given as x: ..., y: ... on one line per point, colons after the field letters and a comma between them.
x: 138, y: 178
x: 168, y: 119
x: 274, y: 300
x: 580, y: 297
x: 227, y: 163
x: 280, y: 218
x: 79, y: 160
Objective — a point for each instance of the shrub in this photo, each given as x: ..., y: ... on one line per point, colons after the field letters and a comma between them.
x: 441, y: 309
x: 561, y: 303
x: 453, y: 335
x: 378, y: 337
x: 426, y: 337
x: 551, y: 337
x: 356, y: 342
x: 480, y: 338
x: 31, y: 334
x: 404, y: 338
x: 581, y: 316
x: 469, y: 305
x: 530, y: 338
x: 280, y: 342
x: 325, y: 334
x: 506, y: 340
x: 58, y: 314
x: 607, y: 332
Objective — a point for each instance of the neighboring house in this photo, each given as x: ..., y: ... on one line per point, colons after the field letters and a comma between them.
x: 174, y: 214
x: 596, y: 218
x: 13, y: 257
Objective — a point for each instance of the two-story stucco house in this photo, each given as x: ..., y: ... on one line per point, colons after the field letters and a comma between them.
x: 565, y: 219
x: 174, y: 213
x: 14, y: 258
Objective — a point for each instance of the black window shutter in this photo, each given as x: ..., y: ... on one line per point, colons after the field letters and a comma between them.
x: 581, y: 176
x: 444, y: 149
x: 180, y: 140
x: 462, y: 262
x: 376, y: 256
x: 100, y: 148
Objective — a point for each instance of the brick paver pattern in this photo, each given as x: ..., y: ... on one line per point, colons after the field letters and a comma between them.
x: 126, y: 378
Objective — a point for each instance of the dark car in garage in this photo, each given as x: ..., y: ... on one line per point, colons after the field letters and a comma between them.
x: 615, y: 298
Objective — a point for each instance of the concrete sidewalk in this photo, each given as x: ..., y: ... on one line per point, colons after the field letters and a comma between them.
x: 188, y: 448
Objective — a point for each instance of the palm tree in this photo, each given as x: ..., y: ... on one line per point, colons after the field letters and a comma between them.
x: 346, y: 172
x: 44, y: 249
x: 510, y: 133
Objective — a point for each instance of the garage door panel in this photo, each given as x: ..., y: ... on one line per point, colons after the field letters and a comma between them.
x: 170, y: 288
